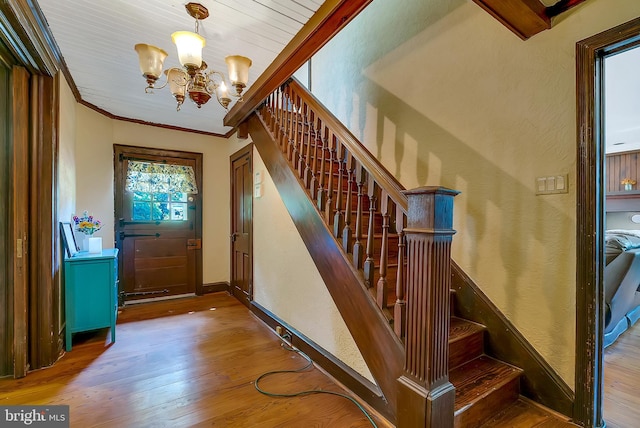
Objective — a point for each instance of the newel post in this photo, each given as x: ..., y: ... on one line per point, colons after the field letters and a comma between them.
x: 425, y: 395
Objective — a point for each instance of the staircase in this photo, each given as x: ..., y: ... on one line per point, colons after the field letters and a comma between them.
x: 352, y: 215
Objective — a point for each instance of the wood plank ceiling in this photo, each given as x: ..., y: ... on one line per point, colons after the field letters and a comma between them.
x: 96, y: 40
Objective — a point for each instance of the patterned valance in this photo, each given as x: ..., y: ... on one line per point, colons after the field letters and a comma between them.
x: 160, y: 178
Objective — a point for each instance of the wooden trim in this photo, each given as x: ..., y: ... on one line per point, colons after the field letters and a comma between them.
x: 157, y: 125
x: 328, y: 20
x: 503, y: 341
x: 25, y: 31
x: 344, y: 374
x: 19, y: 213
x: 214, y: 287
x: 561, y: 7
x: 6, y: 306
x: 122, y: 150
x: 622, y: 201
x: 380, y: 347
x: 590, y: 218
x: 525, y: 18
x: 245, y: 152
x: 425, y: 395
x: 43, y: 243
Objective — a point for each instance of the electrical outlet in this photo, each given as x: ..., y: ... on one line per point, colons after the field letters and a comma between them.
x: 284, y: 333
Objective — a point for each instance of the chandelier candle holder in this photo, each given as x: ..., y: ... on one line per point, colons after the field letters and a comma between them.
x: 194, y: 79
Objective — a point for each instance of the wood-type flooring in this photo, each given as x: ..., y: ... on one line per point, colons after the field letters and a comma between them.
x: 622, y: 380
x: 183, y: 363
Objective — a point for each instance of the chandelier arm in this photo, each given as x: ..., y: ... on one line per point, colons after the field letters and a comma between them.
x: 149, y: 89
x: 193, y: 79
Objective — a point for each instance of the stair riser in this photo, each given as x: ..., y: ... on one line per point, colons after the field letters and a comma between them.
x: 466, y: 349
x: 479, y: 412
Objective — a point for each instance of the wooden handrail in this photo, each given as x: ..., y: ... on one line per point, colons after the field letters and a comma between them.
x: 408, y: 232
x: 360, y: 152
x: 328, y: 20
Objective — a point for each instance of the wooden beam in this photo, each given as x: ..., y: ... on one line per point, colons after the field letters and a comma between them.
x: 562, y: 6
x: 525, y: 18
x: 330, y: 18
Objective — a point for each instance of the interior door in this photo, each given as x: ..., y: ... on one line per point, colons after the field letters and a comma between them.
x: 158, y: 227
x: 242, y: 225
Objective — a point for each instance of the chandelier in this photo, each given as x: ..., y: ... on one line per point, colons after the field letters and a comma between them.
x: 194, y: 78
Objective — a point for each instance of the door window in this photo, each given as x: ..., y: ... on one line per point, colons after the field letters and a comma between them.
x: 158, y: 191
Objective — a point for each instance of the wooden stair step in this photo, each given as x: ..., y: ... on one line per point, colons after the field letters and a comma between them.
x: 524, y: 414
x: 484, y: 386
x: 466, y: 341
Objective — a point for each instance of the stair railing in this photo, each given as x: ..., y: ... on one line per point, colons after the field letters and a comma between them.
x: 399, y: 240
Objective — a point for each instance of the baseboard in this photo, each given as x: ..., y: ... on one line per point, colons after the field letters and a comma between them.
x: 349, y: 378
x: 540, y: 382
x: 214, y: 287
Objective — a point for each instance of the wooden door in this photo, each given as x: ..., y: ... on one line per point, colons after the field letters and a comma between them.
x: 158, y: 229
x: 242, y: 225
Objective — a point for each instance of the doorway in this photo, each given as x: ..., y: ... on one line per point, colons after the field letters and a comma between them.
x: 158, y: 208
x: 590, y: 219
x: 242, y: 225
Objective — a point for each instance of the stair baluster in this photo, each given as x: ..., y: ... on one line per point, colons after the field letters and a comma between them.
x: 317, y: 145
x: 303, y: 137
x: 322, y: 195
x: 347, y: 237
x: 369, y: 266
x: 400, y: 307
x: 358, y: 250
x: 381, y: 291
x: 338, y: 222
x: 331, y: 148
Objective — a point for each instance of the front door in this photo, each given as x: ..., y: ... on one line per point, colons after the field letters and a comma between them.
x: 158, y: 222
x: 241, y: 225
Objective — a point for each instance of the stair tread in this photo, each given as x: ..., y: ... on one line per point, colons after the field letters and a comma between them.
x: 478, y: 378
x: 523, y: 414
x: 460, y: 329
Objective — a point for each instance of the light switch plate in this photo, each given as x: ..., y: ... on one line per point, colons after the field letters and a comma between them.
x: 552, y: 184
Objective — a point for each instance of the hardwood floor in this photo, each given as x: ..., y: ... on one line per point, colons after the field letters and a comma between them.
x: 182, y: 363
x: 622, y: 380
x: 193, y: 361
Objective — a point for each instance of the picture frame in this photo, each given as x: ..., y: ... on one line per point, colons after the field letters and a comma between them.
x: 68, y: 239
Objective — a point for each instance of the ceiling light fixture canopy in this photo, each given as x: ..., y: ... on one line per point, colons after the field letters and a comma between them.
x: 194, y: 80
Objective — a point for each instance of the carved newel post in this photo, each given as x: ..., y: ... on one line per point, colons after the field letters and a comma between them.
x: 425, y: 395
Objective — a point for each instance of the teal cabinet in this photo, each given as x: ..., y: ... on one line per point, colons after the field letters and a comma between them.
x: 91, y: 293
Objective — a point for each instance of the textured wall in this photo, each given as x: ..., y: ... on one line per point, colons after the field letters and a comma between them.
x: 287, y: 282
x: 66, y: 153
x: 96, y: 135
x: 444, y: 94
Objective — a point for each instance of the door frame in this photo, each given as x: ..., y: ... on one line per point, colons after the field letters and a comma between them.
x: 122, y: 150
x: 243, y: 152
x: 33, y: 305
x: 589, y: 376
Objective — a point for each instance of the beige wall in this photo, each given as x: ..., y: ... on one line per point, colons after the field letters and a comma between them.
x: 287, y: 282
x: 445, y: 95
x: 66, y: 153
x: 95, y: 137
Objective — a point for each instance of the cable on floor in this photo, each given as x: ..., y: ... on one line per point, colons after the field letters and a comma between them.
x: 307, y: 392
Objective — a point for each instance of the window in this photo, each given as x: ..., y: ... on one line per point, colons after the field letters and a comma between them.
x: 159, y: 190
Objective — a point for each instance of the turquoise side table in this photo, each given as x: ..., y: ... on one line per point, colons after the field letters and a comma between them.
x: 91, y: 293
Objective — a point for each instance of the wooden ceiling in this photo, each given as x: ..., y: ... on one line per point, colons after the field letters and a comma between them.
x: 96, y: 39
